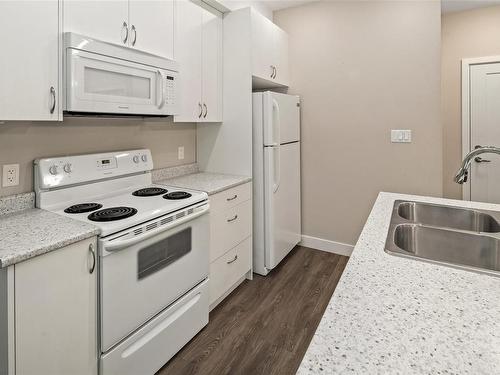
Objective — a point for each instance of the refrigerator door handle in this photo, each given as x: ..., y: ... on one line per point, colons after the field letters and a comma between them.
x: 276, y: 122
x: 276, y: 169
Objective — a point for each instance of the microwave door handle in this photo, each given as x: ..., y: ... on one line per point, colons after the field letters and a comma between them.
x: 118, y: 244
x: 162, y: 89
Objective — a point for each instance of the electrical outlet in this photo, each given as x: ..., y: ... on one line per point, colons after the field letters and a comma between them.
x: 10, y: 175
x: 180, y: 153
x: 401, y: 136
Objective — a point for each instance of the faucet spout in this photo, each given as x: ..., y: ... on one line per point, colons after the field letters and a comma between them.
x: 462, y: 174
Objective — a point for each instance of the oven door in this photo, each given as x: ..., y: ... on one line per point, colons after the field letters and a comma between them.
x: 151, y: 271
x: 102, y: 84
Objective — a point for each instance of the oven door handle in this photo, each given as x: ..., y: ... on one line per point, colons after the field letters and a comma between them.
x: 117, y: 245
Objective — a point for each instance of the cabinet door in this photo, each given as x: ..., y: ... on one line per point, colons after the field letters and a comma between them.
x: 262, y: 46
x: 281, y: 56
x: 56, y: 310
x: 212, y: 66
x: 29, y: 78
x: 105, y: 20
x: 152, y: 26
x: 187, y: 52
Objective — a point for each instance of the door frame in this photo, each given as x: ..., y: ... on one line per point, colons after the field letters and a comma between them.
x: 466, y: 130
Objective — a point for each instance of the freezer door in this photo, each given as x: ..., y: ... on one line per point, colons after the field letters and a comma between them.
x: 281, y: 118
x: 281, y: 201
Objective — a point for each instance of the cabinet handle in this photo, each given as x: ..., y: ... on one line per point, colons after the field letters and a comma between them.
x: 53, y: 93
x: 134, y: 30
x: 272, y: 71
x: 92, y: 253
x: 275, y: 72
x: 233, y: 260
x: 206, y: 110
x: 232, y: 198
x: 232, y: 219
x: 125, y: 38
x: 201, y: 110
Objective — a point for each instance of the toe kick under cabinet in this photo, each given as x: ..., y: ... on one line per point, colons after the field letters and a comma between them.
x: 231, y: 240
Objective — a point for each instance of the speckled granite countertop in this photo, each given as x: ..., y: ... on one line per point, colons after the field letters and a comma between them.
x: 28, y: 233
x: 391, y: 315
x: 211, y: 183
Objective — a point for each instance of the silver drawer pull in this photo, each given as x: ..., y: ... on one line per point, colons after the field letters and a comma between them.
x: 233, y: 260
x: 233, y: 219
x: 232, y: 198
x: 92, y: 254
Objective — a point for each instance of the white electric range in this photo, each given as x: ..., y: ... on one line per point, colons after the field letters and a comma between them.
x: 153, y: 253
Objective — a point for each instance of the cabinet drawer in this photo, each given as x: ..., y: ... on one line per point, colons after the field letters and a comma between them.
x: 230, y: 267
x: 231, y: 197
x: 228, y: 228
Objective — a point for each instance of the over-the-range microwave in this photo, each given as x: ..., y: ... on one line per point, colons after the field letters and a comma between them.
x: 109, y: 79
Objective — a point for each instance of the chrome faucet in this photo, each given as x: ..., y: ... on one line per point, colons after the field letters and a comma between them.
x: 463, y: 172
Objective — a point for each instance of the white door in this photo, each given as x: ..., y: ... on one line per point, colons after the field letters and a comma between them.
x: 281, y: 56
x: 104, y: 20
x: 212, y: 67
x: 56, y: 311
x: 188, y: 52
x: 29, y: 82
x: 485, y: 131
x: 262, y: 46
x: 281, y: 201
x: 152, y: 26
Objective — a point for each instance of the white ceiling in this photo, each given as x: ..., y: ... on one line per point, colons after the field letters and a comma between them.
x: 447, y: 6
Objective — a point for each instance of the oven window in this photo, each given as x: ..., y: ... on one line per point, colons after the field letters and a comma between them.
x: 158, y: 256
x: 106, y: 82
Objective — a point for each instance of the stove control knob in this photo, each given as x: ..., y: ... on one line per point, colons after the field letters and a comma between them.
x: 136, y: 159
x: 144, y: 158
x: 68, y: 168
x: 53, y: 170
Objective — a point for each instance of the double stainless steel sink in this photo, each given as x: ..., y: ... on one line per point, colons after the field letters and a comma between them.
x: 458, y: 237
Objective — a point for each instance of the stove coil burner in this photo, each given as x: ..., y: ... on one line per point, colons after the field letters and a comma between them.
x: 82, y: 207
x: 149, y: 192
x: 112, y: 214
x: 175, y: 195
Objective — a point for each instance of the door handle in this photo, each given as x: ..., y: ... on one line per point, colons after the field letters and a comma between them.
x: 162, y: 89
x: 201, y: 110
x: 272, y: 71
x: 92, y: 254
x: 479, y: 159
x: 206, y: 110
x: 125, y: 38
x: 53, y: 93
x: 232, y: 219
x: 232, y: 198
x: 275, y: 71
x: 134, y: 30
x: 233, y: 260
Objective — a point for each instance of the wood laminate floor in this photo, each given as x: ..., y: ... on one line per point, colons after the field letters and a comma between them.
x: 265, y: 325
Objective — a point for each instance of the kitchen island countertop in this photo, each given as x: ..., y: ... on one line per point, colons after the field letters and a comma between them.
x: 393, y: 315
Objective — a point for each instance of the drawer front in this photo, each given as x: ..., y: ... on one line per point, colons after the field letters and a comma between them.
x: 230, y: 267
x: 228, y: 228
x: 231, y: 197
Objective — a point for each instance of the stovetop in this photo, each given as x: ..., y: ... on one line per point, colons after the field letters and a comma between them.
x: 114, y: 212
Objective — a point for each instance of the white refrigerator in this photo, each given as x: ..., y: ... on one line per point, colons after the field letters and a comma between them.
x: 276, y: 178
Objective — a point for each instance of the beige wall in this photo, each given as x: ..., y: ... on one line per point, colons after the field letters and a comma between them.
x: 22, y: 142
x: 473, y: 33
x: 363, y: 68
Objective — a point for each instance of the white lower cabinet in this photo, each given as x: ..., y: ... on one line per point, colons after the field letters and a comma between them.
x: 56, y: 311
x: 231, y: 240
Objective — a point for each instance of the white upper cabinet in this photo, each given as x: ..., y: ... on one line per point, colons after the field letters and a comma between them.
x: 152, y: 26
x: 198, y: 49
x: 29, y: 62
x: 147, y: 25
x: 105, y: 20
x: 212, y: 67
x: 269, y: 52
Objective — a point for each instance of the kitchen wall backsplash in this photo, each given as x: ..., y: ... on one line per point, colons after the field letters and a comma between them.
x: 22, y: 142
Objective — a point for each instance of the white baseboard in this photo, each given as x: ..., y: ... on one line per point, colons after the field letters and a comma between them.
x: 326, y: 245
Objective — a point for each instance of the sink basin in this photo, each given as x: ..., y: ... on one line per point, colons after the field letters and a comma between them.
x: 441, y: 245
x: 449, y: 217
x: 454, y: 236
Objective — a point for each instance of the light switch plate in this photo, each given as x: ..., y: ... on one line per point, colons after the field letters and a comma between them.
x: 10, y: 175
x: 401, y: 136
x: 180, y: 153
